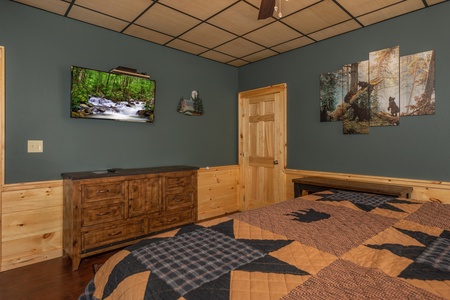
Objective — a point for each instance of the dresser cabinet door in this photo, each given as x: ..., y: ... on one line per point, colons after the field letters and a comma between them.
x: 144, y: 196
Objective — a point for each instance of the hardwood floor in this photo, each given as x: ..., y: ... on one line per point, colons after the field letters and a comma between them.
x: 52, y: 279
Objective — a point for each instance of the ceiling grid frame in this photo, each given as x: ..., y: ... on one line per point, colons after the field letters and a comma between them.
x: 227, y: 31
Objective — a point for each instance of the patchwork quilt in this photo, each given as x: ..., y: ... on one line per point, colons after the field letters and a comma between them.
x: 329, y: 245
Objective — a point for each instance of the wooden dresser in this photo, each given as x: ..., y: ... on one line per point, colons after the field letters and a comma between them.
x: 105, y: 210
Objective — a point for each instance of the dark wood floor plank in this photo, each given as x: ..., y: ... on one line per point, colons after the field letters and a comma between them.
x: 52, y: 279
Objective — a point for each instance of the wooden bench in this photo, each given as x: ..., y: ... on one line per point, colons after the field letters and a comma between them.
x: 313, y: 184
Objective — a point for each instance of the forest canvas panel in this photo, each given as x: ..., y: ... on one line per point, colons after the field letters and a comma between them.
x: 417, y: 84
x: 384, y: 70
x: 331, y: 94
x: 356, y: 87
x: 377, y: 92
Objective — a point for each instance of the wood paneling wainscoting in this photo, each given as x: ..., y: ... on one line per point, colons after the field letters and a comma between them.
x: 31, y: 213
x: 217, y: 191
x: 31, y: 223
x: 427, y: 190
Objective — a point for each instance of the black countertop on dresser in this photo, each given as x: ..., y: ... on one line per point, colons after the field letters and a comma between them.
x: 125, y: 172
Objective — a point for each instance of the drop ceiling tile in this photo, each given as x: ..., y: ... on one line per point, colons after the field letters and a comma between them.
x: 124, y: 10
x: 433, y: 2
x: 239, y: 19
x: 272, y: 34
x: 335, y: 30
x: 293, y: 44
x: 217, y: 56
x: 239, y: 47
x: 288, y: 7
x: 55, y: 6
x: 317, y: 17
x: 238, y: 63
x: 361, y: 7
x: 255, y: 3
x: 260, y: 55
x: 391, y: 12
x: 207, y: 35
x: 89, y: 16
x: 166, y: 20
x: 201, y: 9
x: 186, y: 47
x: 147, y: 34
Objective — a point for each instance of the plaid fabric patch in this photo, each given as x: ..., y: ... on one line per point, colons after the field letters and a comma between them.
x: 437, y: 255
x: 372, y: 200
x: 187, y: 261
x: 88, y: 292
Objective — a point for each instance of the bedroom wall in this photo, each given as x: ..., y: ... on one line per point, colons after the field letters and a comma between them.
x: 417, y: 149
x: 40, y: 48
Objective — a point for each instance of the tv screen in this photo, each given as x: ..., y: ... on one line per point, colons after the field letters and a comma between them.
x: 111, y: 96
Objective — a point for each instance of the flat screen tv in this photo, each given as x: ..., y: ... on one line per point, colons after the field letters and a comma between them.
x: 111, y: 96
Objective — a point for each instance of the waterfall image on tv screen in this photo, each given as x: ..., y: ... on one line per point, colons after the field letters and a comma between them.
x: 104, y: 95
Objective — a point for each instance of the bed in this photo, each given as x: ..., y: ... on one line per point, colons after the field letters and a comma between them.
x: 329, y: 245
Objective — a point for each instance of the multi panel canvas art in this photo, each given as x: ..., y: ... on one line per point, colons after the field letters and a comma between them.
x: 379, y: 91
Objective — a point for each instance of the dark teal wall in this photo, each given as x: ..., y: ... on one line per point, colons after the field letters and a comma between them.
x: 40, y: 48
x: 418, y: 148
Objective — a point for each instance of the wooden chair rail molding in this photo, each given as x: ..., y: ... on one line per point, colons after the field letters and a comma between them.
x: 427, y: 190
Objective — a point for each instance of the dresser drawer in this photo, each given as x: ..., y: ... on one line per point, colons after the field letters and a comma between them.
x: 182, y: 180
x: 103, y: 191
x: 113, y: 234
x: 179, y: 200
x: 168, y: 221
x: 102, y: 214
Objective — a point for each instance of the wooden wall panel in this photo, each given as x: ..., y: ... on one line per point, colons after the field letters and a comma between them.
x: 217, y: 191
x: 30, y: 197
x: 30, y: 250
x: 427, y: 190
x: 31, y: 223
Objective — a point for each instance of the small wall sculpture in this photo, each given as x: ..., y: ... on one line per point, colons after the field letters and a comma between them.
x: 192, y: 106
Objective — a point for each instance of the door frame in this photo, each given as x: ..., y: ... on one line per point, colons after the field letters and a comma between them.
x: 2, y: 140
x: 280, y: 141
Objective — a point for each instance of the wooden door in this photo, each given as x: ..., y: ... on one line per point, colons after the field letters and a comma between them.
x: 262, y: 146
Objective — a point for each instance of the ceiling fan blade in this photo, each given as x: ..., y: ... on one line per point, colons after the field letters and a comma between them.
x: 266, y: 9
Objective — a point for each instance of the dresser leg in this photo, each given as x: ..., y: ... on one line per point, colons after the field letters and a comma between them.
x: 75, y: 262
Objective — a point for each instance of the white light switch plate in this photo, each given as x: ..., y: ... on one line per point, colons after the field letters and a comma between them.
x: 35, y: 146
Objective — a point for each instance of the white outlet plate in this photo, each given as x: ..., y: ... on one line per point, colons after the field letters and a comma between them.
x: 35, y: 146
